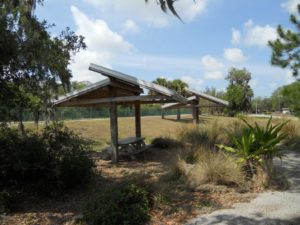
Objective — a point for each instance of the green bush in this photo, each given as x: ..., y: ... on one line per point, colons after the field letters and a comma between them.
x: 163, y: 143
x: 48, y: 164
x: 122, y: 204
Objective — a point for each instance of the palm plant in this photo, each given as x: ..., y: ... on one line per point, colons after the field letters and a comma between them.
x: 258, y: 146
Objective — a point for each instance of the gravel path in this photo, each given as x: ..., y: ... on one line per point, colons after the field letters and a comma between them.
x: 269, y: 208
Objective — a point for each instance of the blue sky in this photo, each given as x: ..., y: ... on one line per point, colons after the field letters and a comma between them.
x: 138, y: 39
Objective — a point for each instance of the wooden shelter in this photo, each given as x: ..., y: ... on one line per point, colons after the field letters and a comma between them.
x: 118, y: 89
x: 193, y: 103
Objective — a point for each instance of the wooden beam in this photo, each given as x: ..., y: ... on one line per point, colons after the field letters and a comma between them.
x: 113, y: 127
x: 190, y: 106
x: 123, y: 99
x: 137, y: 107
x: 162, y: 113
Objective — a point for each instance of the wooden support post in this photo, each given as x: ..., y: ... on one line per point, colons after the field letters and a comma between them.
x: 137, y: 107
x: 197, y: 115
x: 195, y: 112
x: 162, y: 113
x: 178, y: 114
x: 114, y: 128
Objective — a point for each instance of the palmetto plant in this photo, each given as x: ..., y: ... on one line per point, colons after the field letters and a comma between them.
x: 258, y: 145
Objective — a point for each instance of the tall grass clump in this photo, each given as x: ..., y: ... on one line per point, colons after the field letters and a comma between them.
x: 292, y: 131
x: 201, y: 166
x: 199, y: 162
x: 203, y: 135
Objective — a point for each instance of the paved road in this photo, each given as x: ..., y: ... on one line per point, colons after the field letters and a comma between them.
x: 269, y: 208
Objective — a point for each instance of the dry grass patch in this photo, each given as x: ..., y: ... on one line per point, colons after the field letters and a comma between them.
x: 201, y: 166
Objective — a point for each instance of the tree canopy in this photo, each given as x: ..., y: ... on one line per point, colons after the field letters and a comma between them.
x: 291, y: 97
x: 176, y: 85
x: 32, y: 62
x: 286, y: 48
x: 239, y: 92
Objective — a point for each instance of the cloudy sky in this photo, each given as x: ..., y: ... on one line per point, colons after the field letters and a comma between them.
x: 138, y: 39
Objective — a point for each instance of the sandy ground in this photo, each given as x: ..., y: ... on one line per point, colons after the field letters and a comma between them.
x: 269, y: 208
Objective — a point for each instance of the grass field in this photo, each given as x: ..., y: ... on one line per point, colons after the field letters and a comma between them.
x: 98, y: 130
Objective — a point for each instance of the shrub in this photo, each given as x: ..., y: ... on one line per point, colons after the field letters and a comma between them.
x: 48, y: 164
x: 120, y: 204
x: 163, y: 143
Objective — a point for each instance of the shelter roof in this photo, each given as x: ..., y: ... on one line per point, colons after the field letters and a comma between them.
x: 126, y: 89
x: 209, y: 97
x: 196, y: 94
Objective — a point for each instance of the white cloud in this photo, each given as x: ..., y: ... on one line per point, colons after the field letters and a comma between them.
x: 210, y: 63
x: 235, y: 36
x: 235, y: 55
x: 213, y: 75
x: 129, y: 26
x: 259, y: 35
x: 103, y: 46
x: 189, y: 11
x: 150, y: 12
x: 290, y: 6
x: 191, y: 81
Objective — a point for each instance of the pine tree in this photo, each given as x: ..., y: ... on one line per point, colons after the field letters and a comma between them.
x: 286, y: 48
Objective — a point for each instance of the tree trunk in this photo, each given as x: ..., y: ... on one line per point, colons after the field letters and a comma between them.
x: 21, y: 124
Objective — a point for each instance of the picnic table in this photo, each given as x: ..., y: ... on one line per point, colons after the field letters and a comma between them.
x: 131, y: 145
x: 128, y: 147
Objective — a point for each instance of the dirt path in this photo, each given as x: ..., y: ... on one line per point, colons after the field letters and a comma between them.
x: 276, y: 208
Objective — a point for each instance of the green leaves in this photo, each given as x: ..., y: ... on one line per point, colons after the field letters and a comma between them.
x: 257, y: 143
x: 286, y: 49
x: 239, y: 92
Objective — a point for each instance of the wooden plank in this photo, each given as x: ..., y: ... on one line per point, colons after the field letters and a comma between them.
x: 177, y: 105
x: 209, y: 97
x: 124, y: 99
x: 114, y: 127
x: 180, y: 106
x: 137, y: 107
